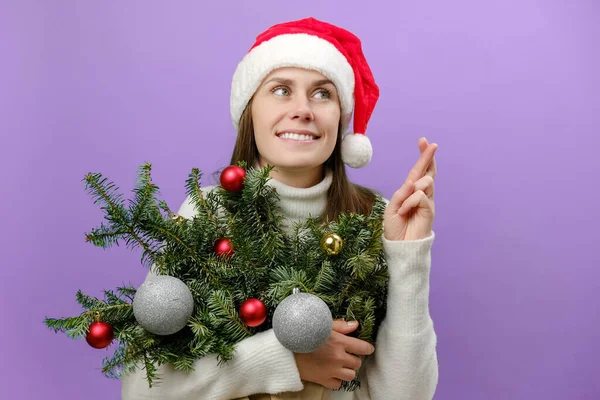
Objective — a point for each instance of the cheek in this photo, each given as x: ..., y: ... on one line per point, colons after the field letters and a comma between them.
x: 260, y: 124
x: 260, y: 137
x: 332, y: 119
x: 332, y: 137
x: 263, y: 136
x: 331, y: 142
x: 265, y: 117
x: 332, y: 114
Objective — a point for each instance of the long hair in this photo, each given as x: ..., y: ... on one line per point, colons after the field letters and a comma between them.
x: 342, y: 197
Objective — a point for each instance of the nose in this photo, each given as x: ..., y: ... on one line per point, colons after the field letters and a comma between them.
x: 301, y: 110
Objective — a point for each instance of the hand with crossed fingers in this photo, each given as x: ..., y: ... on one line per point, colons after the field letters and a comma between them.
x: 411, y: 210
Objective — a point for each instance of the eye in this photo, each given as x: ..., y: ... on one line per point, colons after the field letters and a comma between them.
x: 323, y: 94
x: 281, y: 91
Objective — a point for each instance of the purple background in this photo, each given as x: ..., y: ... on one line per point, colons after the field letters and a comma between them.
x: 510, y: 91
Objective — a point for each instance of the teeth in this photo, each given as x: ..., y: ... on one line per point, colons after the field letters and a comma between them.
x: 295, y: 136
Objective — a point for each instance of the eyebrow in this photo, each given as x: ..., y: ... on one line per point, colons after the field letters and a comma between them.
x: 289, y: 82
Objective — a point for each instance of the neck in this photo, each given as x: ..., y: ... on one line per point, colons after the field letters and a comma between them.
x: 298, y: 178
x: 297, y: 204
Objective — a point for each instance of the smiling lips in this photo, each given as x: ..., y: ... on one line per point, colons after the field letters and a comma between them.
x: 297, y: 135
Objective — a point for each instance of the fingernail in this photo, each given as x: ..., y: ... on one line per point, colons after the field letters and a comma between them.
x: 352, y: 323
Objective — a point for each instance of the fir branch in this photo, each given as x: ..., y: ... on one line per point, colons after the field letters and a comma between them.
x: 191, y: 252
x: 185, y: 364
x: 89, y: 302
x: 224, y: 353
x: 127, y: 291
x: 349, y: 386
x: 198, y: 328
x: 361, y: 265
x: 74, y: 327
x: 325, y: 278
x: 222, y: 305
x: 151, y: 369
x: 284, y: 281
x: 133, y: 239
x: 94, y: 305
x: 368, y: 321
x: 105, y: 236
x: 112, y: 299
x: 145, y: 192
x: 164, y: 207
x: 344, y: 293
x: 106, y: 194
x: 204, y: 337
x: 194, y: 191
x: 112, y: 367
x: 267, y: 264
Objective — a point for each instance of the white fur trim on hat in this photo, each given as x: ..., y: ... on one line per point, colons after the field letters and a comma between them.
x: 291, y: 50
x: 356, y: 150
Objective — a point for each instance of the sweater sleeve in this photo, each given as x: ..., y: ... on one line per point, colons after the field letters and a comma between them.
x: 404, y: 364
x: 260, y: 365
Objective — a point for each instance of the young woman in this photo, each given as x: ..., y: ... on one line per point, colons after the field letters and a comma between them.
x: 291, y: 101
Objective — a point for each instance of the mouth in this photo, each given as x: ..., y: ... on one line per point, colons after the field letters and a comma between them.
x: 297, y: 135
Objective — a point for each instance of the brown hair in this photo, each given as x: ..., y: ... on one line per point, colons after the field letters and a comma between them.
x: 342, y: 197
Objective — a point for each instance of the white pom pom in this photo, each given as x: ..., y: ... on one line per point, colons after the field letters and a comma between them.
x: 356, y: 150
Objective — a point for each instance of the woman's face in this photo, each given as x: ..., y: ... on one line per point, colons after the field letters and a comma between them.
x: 296, y: 114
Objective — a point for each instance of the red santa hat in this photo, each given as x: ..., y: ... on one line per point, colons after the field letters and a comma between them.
x: 323, y: 47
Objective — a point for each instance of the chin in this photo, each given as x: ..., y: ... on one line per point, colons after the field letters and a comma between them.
x: 295, y: 162
x: 293, y: 165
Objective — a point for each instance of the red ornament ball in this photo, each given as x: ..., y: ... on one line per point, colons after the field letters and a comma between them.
x: 232, y: 178
x: 224, y: 248
x: 100, y: 335
x: 253, y: 312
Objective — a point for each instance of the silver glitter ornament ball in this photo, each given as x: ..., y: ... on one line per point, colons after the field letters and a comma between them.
x: 163, y: 305
x: 302, y: 322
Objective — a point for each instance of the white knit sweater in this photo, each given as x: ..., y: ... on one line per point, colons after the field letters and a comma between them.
x: 404, y: 365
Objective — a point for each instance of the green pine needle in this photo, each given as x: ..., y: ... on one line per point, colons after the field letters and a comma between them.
x: 267, y: 264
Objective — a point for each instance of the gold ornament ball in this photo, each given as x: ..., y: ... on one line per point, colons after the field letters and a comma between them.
x: 332, y: 243
x: 178, y: 218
